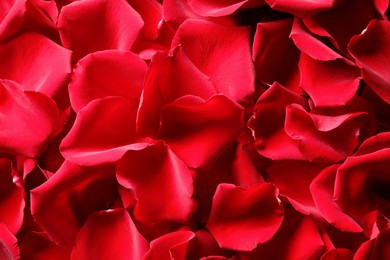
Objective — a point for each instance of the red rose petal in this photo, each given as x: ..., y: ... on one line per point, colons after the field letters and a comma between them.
x: 168, y: 78
x: 11, y: 198
x: 42, y: 66
x: 118, y: 27
x: 199, y: 131
x: 242, y: 218
x: 91, y: 141
x: 109, y: 234
x: 220, y: 7
x: 370, y: 50
x: 9, y: 249
x: 106, y: 73
x: 29, y: 110
x: 63, y: 203
x: 302, y: 7
x: 270, y: 110
x: 157, y: 170
x: 329, y: 83
x: 170, y: 246
x: 377, y: 248
x: 232, y: 74
x: 275, y: 55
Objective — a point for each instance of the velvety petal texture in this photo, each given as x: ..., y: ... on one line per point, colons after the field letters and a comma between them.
x: 118, y: 27
x: 242, y: 218
x: 157, y: 170
x: 28, y: 110
x: 110, y: 234
x: 370, y: 50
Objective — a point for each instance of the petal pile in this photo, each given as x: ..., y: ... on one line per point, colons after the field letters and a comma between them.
x: 194, y: 129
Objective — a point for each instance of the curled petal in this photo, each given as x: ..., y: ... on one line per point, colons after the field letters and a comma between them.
x: 375, y: 248
x: 109, y: 234
x: 242, y: 218
x: 118, y: 27
x: 221, y: 8
x: 29, y: 110
x: 91, y: 141
x: 157, y: 170
x: 371, y: 50
x: 302, y: 8
x: 107, y: 73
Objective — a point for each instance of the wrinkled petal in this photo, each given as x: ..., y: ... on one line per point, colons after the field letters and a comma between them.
x: 29, y: 110
x: 242, y: 218
x: 199, y: 131
x: 170, y: 246
x: 103, y: 131
x: 9, y: 249
x: 226, y: 55
x: 42, y: 66
x: 371, y: 49
x: 107, y: 73
x: 118, y: 27
x: 62, y: 204
x: 329, y: 83
x: 157, y: 170
x: 109, y: 234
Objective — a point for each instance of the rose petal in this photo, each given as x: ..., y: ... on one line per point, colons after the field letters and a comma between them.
x: 302, y: 8
x: 338, y: 254
x: 11, y: 198
x: 9, y: 249
x: 166, y: 176
x: 168, y: 78
x: 118, y: 27
x: 110, y: 234
x: 170, y: 246
x: 91, y: 141
x: 107, y: 73
x: 376, y: 248
x: 329, y: 83
x: 233, y: 74
x: 199, y: 131
x: 29, y: 110
x: 270, y: 110
x: 242, y: 218
x: 221, y: 8
x: 43, y: 66
x: 63, y: 203
x: 370, y: 50
x: 275, y: 55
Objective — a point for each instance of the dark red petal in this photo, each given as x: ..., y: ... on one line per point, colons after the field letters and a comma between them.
x: 91, y: 141
x: 322, y: 189
x: 9, y: 249
x: 275, y: 55
x: 153, y: 171
x: 302, y: 7
x: 371, y: 49
x: 170, y: 246
x: 233, y: 74
x: 118, y: 26
x: 107, y: 73
x: 318, y: 136
x: 169, y: 78
x: 220, y: 7
x: 338, y: 254
x: 329, y: 83
x: 197, y: 131
x: 267, y: 123
x: 43, y: 66
x: 110, y: 234
x: 38, y: 246
x: 376, y: 248
x: 29, y: 110
x: 241, y: 218
x: 63, y: 203
x: 11, y: 198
